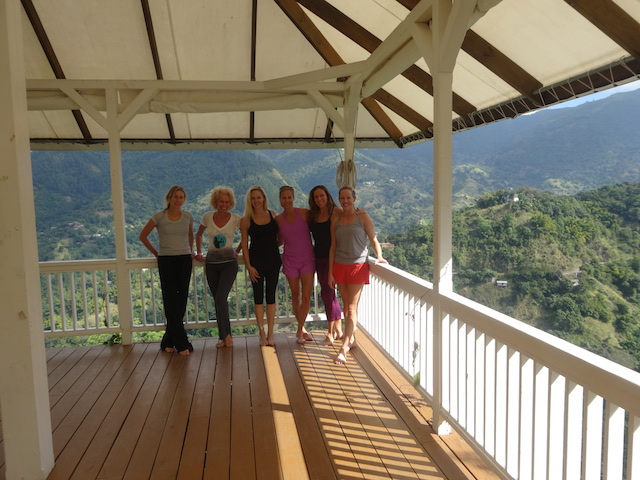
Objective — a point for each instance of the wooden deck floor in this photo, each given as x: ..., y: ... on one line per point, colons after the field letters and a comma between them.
x: 134, y: 412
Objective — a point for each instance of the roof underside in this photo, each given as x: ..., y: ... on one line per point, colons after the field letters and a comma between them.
x: 221, y: 74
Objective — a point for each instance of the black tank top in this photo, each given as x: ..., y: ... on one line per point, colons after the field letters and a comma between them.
x: 321, y: 238
x: 263, y: 250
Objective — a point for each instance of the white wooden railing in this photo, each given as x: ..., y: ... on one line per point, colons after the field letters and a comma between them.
x: 80, y: 299
x: 533, y: 405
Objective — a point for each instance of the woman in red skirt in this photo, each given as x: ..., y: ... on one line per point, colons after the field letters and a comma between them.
x: 348, y: 267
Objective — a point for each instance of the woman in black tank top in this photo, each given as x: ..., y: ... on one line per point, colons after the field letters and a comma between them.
x: 262, y: 258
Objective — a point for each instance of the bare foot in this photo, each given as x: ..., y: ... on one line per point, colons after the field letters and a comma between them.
x: 328, y: 340
x: 341, y: 359
x: 307, y: 337
x: 300, y: 339
x: 270, y: 341
x: 169, y: 349
x: 228, y: 342
x: 263, y: 339
x: 184, y: 352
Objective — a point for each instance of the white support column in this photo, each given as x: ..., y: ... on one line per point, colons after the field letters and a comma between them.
x: 123, y: 280
x: 440, y: 45
x: 24, y: 391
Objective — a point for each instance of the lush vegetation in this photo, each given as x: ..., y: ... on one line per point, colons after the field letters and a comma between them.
x: 572, y: 263
x: 568, y: 247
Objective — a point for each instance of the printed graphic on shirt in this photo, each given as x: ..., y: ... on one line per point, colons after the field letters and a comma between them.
x: 219, y: 240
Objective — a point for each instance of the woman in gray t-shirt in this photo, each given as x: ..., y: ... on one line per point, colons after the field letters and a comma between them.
x: 175, y: 260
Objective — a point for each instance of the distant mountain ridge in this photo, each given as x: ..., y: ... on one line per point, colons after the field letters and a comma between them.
x: 562, y: 150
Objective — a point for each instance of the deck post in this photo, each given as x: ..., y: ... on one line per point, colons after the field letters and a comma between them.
x: 24, y: 391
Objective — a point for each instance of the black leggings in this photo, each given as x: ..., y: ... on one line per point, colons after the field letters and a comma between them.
x: 271, y: 277
x: 175, y: 276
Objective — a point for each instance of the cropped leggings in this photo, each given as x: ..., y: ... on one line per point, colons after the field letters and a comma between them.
x: 270, y: 278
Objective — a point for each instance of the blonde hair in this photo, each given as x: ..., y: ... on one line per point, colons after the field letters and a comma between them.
x: 215, y: 195
x: 247, y: 203
x: 172, y: 191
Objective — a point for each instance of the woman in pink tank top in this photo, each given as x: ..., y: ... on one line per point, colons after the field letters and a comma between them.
x: 298, y: 260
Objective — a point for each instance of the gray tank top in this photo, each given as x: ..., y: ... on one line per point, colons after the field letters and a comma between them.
x: 351, y: 243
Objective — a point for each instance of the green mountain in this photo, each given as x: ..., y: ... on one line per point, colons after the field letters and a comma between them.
x: 571, y: 263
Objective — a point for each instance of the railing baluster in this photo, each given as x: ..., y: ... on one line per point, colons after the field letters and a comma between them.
x: 536, y: 406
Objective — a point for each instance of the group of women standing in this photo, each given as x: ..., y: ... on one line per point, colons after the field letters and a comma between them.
x: 338, y: 254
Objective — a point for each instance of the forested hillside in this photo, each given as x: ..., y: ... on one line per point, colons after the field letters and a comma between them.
x: 568, y: 247
x: 571, y: 263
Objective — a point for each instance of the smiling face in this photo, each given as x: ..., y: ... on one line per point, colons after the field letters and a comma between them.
x: 257, y: 200
x: 320, y: 198
x: 346, y: 198
x: 286, y: 199
x: 177, y: 199
x: 224, y: 203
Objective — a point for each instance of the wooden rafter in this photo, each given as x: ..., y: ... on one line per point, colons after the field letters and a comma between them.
x: 331, y: 56
x: 153, y: 45
x: 612, y: 21
x: 370, y: 42
x: 501, y: 65
x: 52, y: 58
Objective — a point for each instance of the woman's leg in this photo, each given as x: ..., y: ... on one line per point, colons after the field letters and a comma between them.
x: 330, y: 301
x: 224, y: 276
x: 272, y: 286
x: 306, y: 285
x: 175, y: 277
x: 350, y: 298
x: 258, y: 306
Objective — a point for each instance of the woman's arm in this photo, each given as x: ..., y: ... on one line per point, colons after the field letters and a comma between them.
x: 244, y: 243
x: 371, y: 233
x: 332, y: 251
x: 191, y: 240
x: 201, y: 230
x: 144, y: 237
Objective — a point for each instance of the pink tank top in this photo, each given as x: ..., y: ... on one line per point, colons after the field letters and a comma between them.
x: 296, y: 238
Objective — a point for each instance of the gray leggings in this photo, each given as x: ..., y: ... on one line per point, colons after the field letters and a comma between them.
x: 220, y: 277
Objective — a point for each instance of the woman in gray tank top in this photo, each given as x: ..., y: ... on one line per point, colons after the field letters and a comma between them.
x: 348, y: 267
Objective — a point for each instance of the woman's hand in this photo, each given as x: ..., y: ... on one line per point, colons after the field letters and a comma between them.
x: 253, y: 274
x: 199, y: 257
x: 331, y: 281
x: 381, y: 260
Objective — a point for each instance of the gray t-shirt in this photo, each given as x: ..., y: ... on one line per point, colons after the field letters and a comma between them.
x: 173, y: 236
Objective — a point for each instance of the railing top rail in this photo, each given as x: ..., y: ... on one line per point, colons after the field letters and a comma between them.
x: 599, y: 375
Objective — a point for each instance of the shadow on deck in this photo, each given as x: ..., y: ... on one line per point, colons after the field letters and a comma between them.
x: 134, y: 412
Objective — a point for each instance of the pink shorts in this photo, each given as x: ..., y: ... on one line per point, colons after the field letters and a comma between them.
x: 357, y: 274
x: 294, y: 267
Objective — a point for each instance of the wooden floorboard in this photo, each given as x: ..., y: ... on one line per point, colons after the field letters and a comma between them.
x: 136, y: 412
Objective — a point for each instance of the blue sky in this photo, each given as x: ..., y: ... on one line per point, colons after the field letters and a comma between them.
x: 599, y: 95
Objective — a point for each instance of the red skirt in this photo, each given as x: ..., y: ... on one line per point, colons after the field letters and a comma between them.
x: 357, y: 274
